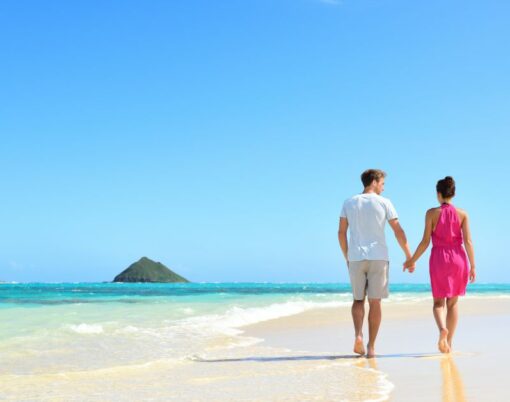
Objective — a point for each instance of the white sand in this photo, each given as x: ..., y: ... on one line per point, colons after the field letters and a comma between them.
x: 406, y: 347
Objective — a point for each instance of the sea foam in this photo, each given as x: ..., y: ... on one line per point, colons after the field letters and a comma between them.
x: 229, y: 322
x: 87, y: 328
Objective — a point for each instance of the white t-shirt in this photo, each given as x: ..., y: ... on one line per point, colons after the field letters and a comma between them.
x: 367, y: 214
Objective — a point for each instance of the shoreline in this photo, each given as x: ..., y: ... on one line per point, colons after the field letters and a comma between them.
x: 251, y: 349
x: 406, y: 347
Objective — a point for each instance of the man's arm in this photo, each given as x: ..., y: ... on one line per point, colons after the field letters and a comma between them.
x: 342, y: 236
x: 401, y: 238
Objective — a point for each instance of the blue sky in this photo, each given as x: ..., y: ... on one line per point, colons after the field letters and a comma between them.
x: 221, y: 138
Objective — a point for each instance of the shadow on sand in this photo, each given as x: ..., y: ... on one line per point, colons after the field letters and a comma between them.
x: 312, y: 357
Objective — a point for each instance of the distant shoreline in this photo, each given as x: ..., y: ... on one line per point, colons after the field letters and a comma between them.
x: 476, y: 285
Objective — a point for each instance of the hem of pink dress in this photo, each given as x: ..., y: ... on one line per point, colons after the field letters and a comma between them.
x: 448, y: 295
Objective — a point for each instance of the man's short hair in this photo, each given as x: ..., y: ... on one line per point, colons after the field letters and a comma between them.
x: 369, y: 175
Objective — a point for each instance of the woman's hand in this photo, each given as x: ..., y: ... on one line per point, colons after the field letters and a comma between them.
x: 472, y: 275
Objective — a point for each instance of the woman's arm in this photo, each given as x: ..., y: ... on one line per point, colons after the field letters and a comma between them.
x: 468, y: 244
x: 425, y: 241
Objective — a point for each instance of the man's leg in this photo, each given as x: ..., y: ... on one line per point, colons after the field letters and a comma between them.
x: 452, y: 317
x: 439, y: 305
x: 358, y: 315
x: 377, y: 289
x: 374, y: 322
x: 357, y: 275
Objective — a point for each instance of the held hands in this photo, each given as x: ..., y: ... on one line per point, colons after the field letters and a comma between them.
x: 410, y: 265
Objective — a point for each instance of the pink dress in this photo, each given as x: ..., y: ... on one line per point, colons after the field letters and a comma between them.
x: 449, y: 270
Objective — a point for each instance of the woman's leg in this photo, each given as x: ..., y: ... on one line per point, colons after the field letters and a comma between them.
x: 439, y: 315
x: 452, y: 317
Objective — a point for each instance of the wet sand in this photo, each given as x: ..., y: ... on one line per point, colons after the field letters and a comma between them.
x: 407, y: 347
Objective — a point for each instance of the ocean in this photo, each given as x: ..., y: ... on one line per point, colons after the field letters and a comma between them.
x: 52, y: 331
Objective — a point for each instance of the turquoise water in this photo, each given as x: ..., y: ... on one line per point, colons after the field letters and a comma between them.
x: 172, y: 320
x: 45, y: 294
x: 60, y: 309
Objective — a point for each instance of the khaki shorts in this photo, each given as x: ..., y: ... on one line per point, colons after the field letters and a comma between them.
x: 369, y: 277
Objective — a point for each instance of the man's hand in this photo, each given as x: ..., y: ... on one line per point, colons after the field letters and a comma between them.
x: 410, y: 265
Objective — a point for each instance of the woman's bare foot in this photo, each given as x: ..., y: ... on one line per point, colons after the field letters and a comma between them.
x: 442, y: 344
x: 358, y: 346
x: 450, y: 339
x: 370, y: 351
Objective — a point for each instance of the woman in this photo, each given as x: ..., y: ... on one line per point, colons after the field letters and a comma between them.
x: 448, y: 227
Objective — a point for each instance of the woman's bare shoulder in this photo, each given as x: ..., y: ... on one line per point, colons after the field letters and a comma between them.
x: 433, y: 211
x: 461, y: 212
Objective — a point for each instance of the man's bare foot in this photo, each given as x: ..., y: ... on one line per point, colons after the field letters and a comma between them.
x: 370, y: 352
x: 442, y: 344
x: 358, y: 346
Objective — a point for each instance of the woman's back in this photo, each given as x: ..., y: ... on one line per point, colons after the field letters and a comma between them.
x: 448, y: 229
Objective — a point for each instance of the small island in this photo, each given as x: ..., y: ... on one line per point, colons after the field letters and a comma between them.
x: 146, y: 270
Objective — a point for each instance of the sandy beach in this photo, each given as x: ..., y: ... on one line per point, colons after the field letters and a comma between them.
x: 406, y: 348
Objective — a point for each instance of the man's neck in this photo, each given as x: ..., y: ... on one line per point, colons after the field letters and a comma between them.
x: 369, y: 191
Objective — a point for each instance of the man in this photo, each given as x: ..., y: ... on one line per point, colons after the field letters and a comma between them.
x: 366, y: 253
